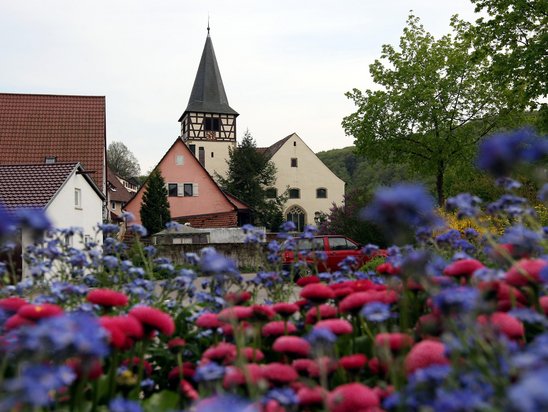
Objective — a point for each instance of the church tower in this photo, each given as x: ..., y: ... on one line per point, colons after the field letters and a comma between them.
x: 208, y: 125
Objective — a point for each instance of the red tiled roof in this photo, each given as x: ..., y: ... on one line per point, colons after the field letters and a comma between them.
x: 32, y: 186
x: 70, y: 128
x: 268, y: 152
x: 116, y: 190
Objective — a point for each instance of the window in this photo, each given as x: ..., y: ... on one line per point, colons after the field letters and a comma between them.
x: 294, y: 193
x: 321, y: 193
x: 293, y: 162
x: 201, y: 155
x: 113, y: 205
x: 172, y: 189
x: 192, y: 148
x: 296, y: 215
x: 337, y: 243
x: 179, y: 160
x: 271, y: 193
x: 188, y: 189
x: 212, y: 155
x: 50, y: 160
x: 294, y: 143
x: 212, y: 124
x: 78, y: 198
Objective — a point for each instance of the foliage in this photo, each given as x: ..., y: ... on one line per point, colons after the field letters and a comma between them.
x: 249, y: 176
x: 155, y: 206
x: 434, y: 103
x: 122, y: 161
x: 514, y: 33
x: 345, y: 220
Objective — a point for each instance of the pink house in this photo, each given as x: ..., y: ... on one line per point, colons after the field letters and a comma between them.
x: 193, y: 195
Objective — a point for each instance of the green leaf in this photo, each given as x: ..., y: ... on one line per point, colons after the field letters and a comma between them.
x: 162, y: 401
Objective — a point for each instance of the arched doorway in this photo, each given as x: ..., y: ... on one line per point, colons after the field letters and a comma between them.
x: 297, y: 215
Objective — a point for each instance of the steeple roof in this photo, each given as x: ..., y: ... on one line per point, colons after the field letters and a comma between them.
x: 208, y: 93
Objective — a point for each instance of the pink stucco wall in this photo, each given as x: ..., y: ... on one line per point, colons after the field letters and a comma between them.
x: 210, y: 199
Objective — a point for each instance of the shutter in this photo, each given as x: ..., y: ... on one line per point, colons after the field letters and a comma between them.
x: 194, y: 189
x: 180, y: 189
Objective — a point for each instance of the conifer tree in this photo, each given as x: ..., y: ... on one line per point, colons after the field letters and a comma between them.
x: 155, y: 207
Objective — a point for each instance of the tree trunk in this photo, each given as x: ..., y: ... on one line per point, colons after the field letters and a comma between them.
x: 440, y: 174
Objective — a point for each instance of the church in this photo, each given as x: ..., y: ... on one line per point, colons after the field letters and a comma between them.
x: 208, y: 129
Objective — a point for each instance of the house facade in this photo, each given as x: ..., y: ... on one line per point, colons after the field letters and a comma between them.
x: 66, y: 193
x: 311, y: 187
x: 119, y: 192
x: 193, y: 196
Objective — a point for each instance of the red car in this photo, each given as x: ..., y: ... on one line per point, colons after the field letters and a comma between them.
x: 324, y: 253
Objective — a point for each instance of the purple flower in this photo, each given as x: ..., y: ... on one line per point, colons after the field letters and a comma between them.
x: 376, y: 312
x: 524, y: 241
x: 139, y: 230
x: 225, y: 403
x: 466, y: 205
x: 456, y: 299
x: 120, y: 404
x: 543, y: 193
x: 500, y: 153
x: 284, y: 396
x: 288, y: 227
x: 108, y: 228
x: 507, y: 183
x: 35, y: 219
x: 214, y: 263
x: 529, y: 394
x: 7, y: 224
x: 209, y: 372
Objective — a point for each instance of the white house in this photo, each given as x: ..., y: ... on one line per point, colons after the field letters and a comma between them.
x: 67, y: 194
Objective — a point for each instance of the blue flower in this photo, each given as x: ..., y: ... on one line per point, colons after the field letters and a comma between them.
x: 284, y: 396
x: 139, y: 230
x: 34, y: 219
x: 376, y: 312
x: 543, y: 193
x: 457, y: 299
x: 508, y: 183
x: 225, y: 403
x: 214, y: 263
x: 120, y: 404
x: 288, y: 227
x: 524, y: 241
x: 108, y: 228
x: 529, y: 394
x: 7, y: 223
x: 466, y: 205
x: 209, y: 372
x: 501, y: 153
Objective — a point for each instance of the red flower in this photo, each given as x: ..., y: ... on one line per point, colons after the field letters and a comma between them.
x: 310, y: 397
x: 188, y: 391
x: 544, y: 304
x: 525, y: 271
x: 227, y: 329
x: 429, y: 325
x: 36, y: 312
x: 505, y: 324
x: 154, y: 319
x: 253, y: 354
x: 117, y: 338
x: 354, y: 302
x: 129, y: 325
x: 12, y: 304
x: 208, y: 321
x: 107, y: 298
x: 387, y: 269
x: 395, y: 342
x: 326, y: 312
x: 235, y: 313
x: 187, y: 370
x: 337, y: 326
x: 236, y: 377
x: 279, y: 374
x: 307, y: 280
x: 424, y: 354
x: 353, y: 362
x: 176, y: 345
x: 277, y: 328
x: 463, y: 267
x: 352, y: 397
x: 292, y: 345
x: 376, y: 367
x: 16, y: 321
x: 223, y: 353
x: 263, y: 312
x: 285, y: 309
x: 237, y: 298
x: 317, y: 292
x: 303, y: 366
x: 93, y: 372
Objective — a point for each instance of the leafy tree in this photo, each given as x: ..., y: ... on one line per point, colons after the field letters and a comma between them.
x: 155, y: 206
x: 436, y: 100
x: 515, y: 36
x: 249, y: 175
x: 122, y: 161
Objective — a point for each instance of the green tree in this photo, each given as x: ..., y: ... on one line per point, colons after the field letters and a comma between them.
x: 155, y: 206
x: 249, y: 176
x: 122, y: 161
x: 434, y: 102
x: 515, y: 36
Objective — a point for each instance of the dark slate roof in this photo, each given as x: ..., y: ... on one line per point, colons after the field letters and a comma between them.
x: 268, y: 152
x: 70, y: 128
x: 116, y: 190
x: 34, y: 186
x: 208, y: 93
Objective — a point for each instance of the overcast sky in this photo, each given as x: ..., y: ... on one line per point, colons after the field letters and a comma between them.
x: 285, y: 64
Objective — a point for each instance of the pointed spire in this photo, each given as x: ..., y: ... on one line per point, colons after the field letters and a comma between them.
x: 208, y: 93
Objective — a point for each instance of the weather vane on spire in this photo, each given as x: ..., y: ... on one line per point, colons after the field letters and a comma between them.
x: 208, y: 24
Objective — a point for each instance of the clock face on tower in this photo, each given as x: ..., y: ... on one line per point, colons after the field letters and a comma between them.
x: 210, y: 135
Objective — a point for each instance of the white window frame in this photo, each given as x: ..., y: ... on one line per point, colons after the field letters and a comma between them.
x: 77, y: 198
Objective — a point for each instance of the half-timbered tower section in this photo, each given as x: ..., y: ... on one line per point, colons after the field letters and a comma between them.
x: 208, y: 125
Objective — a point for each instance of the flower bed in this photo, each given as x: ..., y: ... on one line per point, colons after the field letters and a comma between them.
x: 456, y: 322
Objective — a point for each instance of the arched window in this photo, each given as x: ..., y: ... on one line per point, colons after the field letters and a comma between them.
x: 321, y: 193
x: 297, y: 215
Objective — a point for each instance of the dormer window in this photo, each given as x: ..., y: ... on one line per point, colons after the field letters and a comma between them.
x: 50, y: 160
